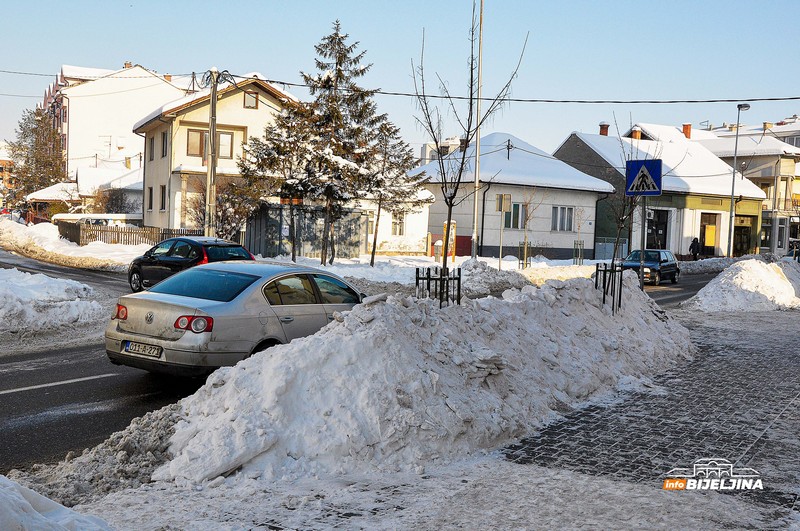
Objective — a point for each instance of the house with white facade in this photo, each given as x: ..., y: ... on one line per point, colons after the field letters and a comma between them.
x: 696, y: 190
x: 176, y: 143
x: 397, y: 233
x: 550, y: 204
x: 95, y: 110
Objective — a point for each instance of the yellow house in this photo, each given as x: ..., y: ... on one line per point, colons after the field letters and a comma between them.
x: 176, y: 140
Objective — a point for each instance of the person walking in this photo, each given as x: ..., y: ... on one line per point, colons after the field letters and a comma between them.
x: 694, y: 248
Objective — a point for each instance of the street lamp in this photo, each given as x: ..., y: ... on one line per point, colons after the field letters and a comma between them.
x: 739, y: 108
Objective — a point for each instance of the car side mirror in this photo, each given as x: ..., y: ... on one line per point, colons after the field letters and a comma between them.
x: 363, y: 296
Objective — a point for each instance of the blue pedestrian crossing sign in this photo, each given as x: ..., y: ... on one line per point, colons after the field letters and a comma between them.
x: 643, y: 177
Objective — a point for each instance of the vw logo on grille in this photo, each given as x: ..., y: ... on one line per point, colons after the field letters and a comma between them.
x: 149, y: 318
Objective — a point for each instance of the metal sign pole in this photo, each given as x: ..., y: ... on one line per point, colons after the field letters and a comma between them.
x: 644, y: 242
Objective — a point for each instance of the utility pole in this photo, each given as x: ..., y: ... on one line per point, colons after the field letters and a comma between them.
x: 211, y: 158
x: 478, y: 142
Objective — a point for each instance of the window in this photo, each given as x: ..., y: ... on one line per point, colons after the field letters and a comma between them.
x: 63, y: 115
x: 225, y: 145
x: 163, y: 144
x: 516, y: 218
x: 370, y: 222
x: 398, y: 225
x: 151, y: 148
x: 562, y: 219
x: 197, y: 140
x: 251, y: 100
x: 335, y: 291
x: 196, y: 143
x: 183, y: 250
x: 295, y: 289
x: 162, y: 248
x: 149, y: 198
x: 163, y: 197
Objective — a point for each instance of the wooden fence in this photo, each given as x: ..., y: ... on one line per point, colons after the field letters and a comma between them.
x: 83, y: 234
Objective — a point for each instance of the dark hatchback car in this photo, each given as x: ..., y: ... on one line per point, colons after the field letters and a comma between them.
x: 658, y: 265
x: 177, y: 254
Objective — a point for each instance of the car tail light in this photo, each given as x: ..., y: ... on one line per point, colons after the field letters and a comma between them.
x: 203, y: 260
x: 194, y: 324
x: 252, y: 256
x: 120, y: 313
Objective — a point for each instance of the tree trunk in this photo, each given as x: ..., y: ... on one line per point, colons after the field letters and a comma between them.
x: 375, y: 230
x: 292, y: 235
x: 446, y: 243
x: 333, y: 243
x: 323, y: 253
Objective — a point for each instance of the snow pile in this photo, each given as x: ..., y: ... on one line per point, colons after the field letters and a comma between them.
x: 478, y: 279
x: 717, y: 265
x: 398, y: 384
x: 22, y: 508
x: 751, y: 286
x: 43, y: 242
x: 125, y: 460
x: 38, y: 302
x: 540, y: 272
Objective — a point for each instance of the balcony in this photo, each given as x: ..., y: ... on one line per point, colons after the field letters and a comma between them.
x: 784, y: 205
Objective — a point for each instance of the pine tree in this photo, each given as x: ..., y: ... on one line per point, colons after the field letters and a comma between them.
x: 391, y: 188
x: 37, y: 154
x: 346, y: 116
x: 284, y: 162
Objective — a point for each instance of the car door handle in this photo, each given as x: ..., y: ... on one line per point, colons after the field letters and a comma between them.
x: 287, y: 319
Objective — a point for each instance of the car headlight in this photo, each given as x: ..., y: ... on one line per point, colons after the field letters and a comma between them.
x: 646, y: 269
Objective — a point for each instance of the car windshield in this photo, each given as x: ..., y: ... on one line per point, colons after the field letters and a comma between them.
x: 649, y: 256
x: 218, y: 253
x: 209, y: 284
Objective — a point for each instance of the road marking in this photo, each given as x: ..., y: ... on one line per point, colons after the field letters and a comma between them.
x: 62, y: 382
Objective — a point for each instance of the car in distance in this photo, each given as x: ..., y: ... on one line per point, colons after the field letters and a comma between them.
x: 658, y: 265
x: 176, y: 254
x: 217, y: 314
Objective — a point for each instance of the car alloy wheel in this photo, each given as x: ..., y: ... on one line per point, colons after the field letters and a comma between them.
x: 135, y: 280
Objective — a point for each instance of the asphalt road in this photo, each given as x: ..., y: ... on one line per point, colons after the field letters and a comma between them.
x: 66, y: 399
x: 60, y: 399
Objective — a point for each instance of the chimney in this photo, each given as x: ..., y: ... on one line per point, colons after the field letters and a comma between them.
x: 687, y: 130
x: 767, y: 125
x: 168, y: 77
x: 128, y: 64
x: 604, y: 128
x: 636, y: 133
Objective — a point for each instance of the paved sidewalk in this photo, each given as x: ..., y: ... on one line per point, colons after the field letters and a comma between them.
x: 738, y: 400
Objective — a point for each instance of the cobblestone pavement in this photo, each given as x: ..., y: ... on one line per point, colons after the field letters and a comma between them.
x: 738, y: 400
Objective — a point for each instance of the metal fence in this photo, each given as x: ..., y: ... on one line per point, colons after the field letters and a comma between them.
x: 609, y: 279
x: 439, y: 283
x: 604, y: 249
x: 83, y: 234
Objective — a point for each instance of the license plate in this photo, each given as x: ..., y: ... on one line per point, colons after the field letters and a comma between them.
x: 141, y: 348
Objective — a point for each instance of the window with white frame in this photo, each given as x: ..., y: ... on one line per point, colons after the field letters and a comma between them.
x: 516, y: 218
x: 370, y: 222
x: 398, y: 224
x: 562, y: 219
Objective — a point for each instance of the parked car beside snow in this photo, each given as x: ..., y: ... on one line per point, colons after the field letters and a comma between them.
x: 658, y: 265
x: 217, y: 314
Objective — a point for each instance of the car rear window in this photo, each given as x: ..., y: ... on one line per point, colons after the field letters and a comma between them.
x: 208, y: 284
x: 219, y: 253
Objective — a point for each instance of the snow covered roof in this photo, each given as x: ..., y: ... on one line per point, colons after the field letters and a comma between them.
x: 83, y: 72
x: 749, y: 146
x: 523, y: 165
x: 4, y: 154
x: 204, y: 94
x: 55, y: 192
x: 688, y: 167
x: 90, y: 180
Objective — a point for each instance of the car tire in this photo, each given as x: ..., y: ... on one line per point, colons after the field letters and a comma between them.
x: 657, y: 278
x: 675, y: 277
x: 135, y: 280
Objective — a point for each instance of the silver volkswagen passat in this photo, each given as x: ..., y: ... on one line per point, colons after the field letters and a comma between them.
x: 217, y: 314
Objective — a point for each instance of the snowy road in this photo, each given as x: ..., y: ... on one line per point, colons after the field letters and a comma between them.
x: 65, y: 400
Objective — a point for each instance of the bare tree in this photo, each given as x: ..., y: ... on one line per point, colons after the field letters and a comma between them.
x: 234, y: 206
x: 530, y: 202
x: 450, y: 169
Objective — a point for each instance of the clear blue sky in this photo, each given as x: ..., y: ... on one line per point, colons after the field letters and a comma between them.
x: 709, y: 49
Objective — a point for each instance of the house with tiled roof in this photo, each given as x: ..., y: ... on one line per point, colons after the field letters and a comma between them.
x: 550, y: 202
x: 176, y: 143
x: 769, y: 157
x: 696, y: 197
